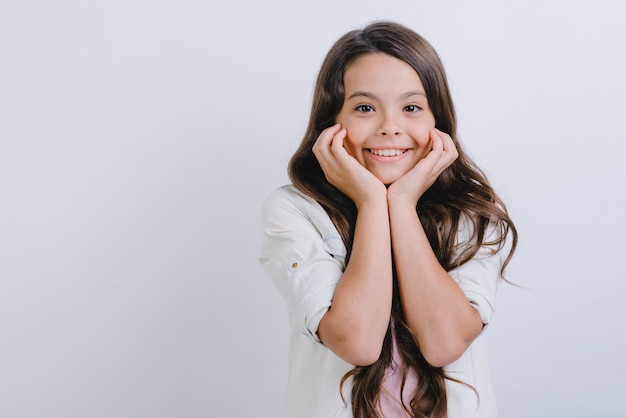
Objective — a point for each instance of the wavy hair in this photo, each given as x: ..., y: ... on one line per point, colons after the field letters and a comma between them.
x: 461, y: 191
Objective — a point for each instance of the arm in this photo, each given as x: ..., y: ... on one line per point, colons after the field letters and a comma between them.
x: 355, y: 326
x: 437, y: 311
x: 440, y: 316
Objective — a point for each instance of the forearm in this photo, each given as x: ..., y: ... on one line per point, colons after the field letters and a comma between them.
x: 355, y: 326
x: 442, y: 320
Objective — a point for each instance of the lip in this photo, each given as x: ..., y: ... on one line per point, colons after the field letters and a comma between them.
x: 384, y: 159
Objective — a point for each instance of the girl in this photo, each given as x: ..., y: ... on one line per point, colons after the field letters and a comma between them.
x: 389, y: 246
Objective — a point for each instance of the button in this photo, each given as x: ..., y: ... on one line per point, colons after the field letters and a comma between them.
x: 294, y: 265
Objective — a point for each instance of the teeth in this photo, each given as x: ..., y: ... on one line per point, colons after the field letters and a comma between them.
x: 387, y: 152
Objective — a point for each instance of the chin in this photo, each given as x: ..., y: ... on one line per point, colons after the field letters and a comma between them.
x: 389, y: 177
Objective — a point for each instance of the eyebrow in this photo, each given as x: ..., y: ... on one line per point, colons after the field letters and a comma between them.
x: 373, y: 96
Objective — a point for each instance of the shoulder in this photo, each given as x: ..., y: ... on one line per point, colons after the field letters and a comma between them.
x: 288, y: 215
x: 286, y: 208
x: 296, y: 223
x: 287, y: 202
x: 288, y: 195
x: 495, y: 239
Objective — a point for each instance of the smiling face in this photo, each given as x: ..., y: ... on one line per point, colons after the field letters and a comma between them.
x: 386, y: 115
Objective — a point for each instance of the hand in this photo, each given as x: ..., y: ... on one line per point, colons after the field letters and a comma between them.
x: 412, y: 185
x: 342, y: 170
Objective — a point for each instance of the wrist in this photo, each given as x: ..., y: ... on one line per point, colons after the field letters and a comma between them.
x: 376, y: 197
x: 398, y: 200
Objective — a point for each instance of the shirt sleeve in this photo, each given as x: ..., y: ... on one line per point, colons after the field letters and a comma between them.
x: 304, y: 263
x: 480, y: 277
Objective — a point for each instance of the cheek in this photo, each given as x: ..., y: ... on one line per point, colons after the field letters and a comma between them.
x: 350, y: 145
x: 424, y: 128
x: 354, y: 139
x: 422, y: 136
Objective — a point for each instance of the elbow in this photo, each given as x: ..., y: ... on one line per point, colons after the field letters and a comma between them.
x: 439, y: 360
x: 441, y: 349
x: 356, y: 350
x: 365, y: 355
x: 359, y: 344
x: 364, y: 347
x: 440, y: 355
x: 363, y: 351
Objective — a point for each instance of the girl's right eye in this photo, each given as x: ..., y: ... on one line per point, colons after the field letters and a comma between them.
x: 364, y: 108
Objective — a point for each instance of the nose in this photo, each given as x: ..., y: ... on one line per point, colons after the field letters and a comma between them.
x: 389, y: 127
x: 389, y: 132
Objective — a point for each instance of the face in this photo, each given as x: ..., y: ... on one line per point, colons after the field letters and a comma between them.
x: 386, y: 115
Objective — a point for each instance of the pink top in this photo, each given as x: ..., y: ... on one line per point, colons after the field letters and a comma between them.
x: 390, y: 405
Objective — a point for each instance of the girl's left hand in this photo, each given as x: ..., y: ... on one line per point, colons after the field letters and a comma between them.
x: 412, y: 185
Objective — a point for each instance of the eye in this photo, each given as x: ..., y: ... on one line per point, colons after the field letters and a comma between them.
x: 364, y: 108
x: 412, y: 108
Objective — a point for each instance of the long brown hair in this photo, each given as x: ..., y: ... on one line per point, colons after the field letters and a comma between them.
x: 461, y: 191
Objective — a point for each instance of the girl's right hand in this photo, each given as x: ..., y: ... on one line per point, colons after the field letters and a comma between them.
x: 342, y: 170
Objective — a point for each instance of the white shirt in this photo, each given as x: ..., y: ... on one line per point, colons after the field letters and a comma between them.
x: 303, y: 253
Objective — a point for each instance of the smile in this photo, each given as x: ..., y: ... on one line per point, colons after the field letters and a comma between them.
x: 387, y: 152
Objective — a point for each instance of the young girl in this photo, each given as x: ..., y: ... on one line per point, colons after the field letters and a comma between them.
x: 389, y: 246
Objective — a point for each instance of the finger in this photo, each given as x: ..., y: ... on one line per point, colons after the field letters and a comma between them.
x: 436, y: 160
x: 321, y: 148
x: 448, y: 144
x: 449, y: 151
x: 436, y: 149
x: 449, y: 147
x: 336, y: 145
x: 326, y: 136
x: 437, y: 143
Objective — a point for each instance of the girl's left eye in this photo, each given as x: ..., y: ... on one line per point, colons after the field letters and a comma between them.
x: 411, y: 108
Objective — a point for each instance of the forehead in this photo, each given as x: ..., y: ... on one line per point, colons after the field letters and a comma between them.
x: 380, y: 71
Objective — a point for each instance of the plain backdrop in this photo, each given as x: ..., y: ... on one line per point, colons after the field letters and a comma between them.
x: 139, y: 138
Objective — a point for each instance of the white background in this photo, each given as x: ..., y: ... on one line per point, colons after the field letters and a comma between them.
x: 139, y: 138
